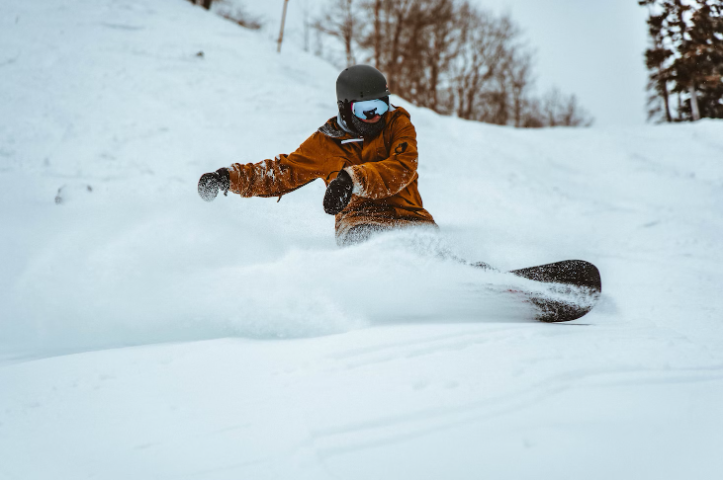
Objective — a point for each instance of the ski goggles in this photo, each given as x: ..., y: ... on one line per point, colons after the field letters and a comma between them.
x: 368, y: 109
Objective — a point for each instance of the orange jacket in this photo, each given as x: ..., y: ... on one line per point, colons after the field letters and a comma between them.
x: 384, y: 171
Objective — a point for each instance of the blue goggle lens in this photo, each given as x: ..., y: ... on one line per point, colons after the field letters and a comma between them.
x: 369, y: 109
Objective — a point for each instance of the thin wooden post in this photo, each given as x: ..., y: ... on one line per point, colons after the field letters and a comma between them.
x: 283, y: 21
x: 694, y: 104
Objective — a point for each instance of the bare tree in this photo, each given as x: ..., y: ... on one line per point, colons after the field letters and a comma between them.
x: 519, y: 72
x: 392, y: 23
x: 307, y: 24
x: 238, y: 14
x: 429, y: 50
x: 204, y: 3
x: 564, y: 111
x: 442, y: 49
x: 531, y: 113
x: 448, y: 55
x: 483, y: 48
x: 374, y: 40
x: 339, y: 22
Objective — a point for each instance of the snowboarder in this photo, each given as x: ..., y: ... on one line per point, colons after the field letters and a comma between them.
x: 366, y: 155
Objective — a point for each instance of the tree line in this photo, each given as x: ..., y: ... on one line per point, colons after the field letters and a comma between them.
x: 446, y: 55
x: 204, y: 3
x: 685, y: 59
x: 449, y: 56
x: 231, y: 11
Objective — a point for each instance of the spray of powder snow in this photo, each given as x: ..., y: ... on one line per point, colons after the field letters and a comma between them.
x: 400, y: 277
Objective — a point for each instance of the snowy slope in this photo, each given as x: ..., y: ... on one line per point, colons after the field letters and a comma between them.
x: 147, y: 334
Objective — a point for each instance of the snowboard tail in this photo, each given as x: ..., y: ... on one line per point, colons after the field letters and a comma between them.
x: 579, y: 274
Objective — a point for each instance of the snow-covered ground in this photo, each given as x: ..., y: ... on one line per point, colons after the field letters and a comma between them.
x: 147, y: 334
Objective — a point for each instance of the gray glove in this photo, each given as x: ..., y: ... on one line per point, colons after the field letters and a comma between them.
x: 210, y: 184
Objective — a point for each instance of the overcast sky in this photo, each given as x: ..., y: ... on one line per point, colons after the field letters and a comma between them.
x: 591, y: 48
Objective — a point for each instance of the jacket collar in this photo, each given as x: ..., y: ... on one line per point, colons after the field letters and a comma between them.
x: 343, y: 124
x: 337, y: 128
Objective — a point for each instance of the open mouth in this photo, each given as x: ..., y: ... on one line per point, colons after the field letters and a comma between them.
x: 374, y: 119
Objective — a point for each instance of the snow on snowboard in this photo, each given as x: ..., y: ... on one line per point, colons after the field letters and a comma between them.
x: 573, y: 277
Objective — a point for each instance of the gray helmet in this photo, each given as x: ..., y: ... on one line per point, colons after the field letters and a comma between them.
x: 357, y: 83
x: 360, y: 82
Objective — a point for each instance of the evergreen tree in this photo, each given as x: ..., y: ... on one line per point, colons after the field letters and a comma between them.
x: 685, y: 58
x: 699, y: 68
x: 656, y: 58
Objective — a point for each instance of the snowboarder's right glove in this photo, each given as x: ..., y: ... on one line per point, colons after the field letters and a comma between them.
x: 211, y: 183
x: 338, y: 193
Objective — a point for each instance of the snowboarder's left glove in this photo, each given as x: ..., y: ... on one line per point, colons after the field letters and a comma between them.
x: 338, y: 193
x: 211, y: 183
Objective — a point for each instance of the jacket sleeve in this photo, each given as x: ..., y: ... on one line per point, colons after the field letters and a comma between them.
x: 272, y: 178
x: 378, y: 180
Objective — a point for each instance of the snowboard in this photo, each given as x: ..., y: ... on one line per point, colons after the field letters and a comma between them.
x: 580, y: 276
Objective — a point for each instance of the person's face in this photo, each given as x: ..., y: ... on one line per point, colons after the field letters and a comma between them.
x: 369, y: 111
x: 374, y: 119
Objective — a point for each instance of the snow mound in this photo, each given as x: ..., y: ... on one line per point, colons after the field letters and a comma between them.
x: 124, y: 291
x: 391, y: 359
